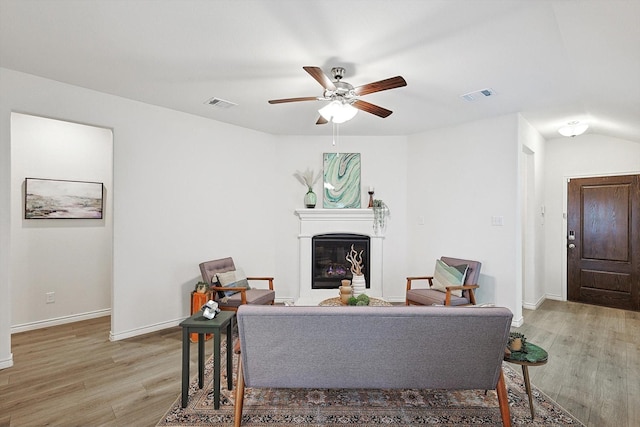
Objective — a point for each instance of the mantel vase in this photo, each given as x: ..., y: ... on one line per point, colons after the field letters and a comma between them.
x: 310, y: 199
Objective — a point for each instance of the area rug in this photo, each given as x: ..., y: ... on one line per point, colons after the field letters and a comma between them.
x: 321, y: 407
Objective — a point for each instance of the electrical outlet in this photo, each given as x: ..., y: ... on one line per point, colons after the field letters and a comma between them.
x: 497, y: 221
x: 51, y: 297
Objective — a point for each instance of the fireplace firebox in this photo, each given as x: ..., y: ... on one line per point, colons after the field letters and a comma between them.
x: 328, y: 259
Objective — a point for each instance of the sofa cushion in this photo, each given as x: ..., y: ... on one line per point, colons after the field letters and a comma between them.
x: 446, y: 275
x: 433, y: 297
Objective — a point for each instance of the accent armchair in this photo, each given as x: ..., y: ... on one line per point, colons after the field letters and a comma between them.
x: 237, y: 291
x: 440, y: 293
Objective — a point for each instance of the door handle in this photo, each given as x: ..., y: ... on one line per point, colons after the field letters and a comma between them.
x: 571, y: 246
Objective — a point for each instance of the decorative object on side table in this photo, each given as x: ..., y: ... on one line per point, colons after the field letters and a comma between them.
x: 380, y: 213
x: 517, y: 342
x: 308, y: 179
x: 362, y: 299
x: 358, y: 283
x: 345, y: 291
x: 201, y: 288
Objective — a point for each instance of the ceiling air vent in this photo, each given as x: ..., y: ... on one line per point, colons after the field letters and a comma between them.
x: 220, y: 103
x: 478, y: 94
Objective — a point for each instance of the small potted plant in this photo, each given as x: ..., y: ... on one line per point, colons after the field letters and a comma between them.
x: 516, y: 341
x: 380, y: 213
x: 201, y: 287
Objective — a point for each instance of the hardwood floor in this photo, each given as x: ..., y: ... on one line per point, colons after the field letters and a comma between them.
x: 72, y: 375
x: 594, y: 360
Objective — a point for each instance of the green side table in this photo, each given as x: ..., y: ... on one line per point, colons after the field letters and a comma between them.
x: 197, y: 323
x: 531, y: 356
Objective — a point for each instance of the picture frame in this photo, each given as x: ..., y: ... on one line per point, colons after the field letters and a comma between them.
x: 62, y: 199
x: 341, y: 180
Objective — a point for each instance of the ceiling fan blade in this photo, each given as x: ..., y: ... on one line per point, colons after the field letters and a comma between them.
x: 305, y: 98
x: 371, y: 108
x: 320, y: 77
x: 386, y: 84
x: 322, y: 121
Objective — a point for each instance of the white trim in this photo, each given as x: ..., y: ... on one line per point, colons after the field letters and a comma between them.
x: 144, y: 330
x: 59, y: 321
x: 517, y: 323
x: 534, y: 306
x: 7, y: 363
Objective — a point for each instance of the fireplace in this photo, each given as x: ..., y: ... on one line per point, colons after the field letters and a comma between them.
x: 328, y: 258
x: 321, y: 222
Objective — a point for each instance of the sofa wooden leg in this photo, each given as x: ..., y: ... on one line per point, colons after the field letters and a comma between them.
x: 237, y: 409
x: 503, y: 400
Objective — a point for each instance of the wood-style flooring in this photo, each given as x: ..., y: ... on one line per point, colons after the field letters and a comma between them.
x: 594, y: 360
x: 72, y: 375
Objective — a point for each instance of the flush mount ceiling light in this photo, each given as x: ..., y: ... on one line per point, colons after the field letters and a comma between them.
x: 573, y: 128
x: 338, y: 112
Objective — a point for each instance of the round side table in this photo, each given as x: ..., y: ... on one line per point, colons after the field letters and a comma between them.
x: 532, y: 356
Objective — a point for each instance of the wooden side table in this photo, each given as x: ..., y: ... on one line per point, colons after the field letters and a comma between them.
x: 532, y: 356
x: 201, y: 325
x: 197, y: 301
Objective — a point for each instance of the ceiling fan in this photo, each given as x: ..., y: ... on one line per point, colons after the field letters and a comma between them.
x: 344, y: 95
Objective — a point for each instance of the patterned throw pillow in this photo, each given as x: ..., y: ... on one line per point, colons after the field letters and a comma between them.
x: 446, y: 275
x: 232, y: 279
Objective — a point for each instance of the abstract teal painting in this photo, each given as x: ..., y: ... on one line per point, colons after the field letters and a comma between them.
x: 341, y: 180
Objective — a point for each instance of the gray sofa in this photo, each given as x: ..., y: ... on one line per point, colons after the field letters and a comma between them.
x: 385, y: 347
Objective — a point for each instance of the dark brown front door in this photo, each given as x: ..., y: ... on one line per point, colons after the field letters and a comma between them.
x: 603, y: 241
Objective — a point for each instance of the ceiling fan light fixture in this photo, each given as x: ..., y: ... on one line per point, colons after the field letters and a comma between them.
x: 573, y: 128
x: 338, y: 112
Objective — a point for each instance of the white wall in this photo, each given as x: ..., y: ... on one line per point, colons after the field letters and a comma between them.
x: 458, y: 179
x: 186, y: 189
x: 581, y: 156
x: 45, y: 252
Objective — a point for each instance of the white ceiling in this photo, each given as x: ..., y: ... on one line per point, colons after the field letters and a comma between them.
x: 552, y: 60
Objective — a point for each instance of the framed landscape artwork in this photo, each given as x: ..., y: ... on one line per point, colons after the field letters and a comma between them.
x: 59, y: 199
x: 341, y: 180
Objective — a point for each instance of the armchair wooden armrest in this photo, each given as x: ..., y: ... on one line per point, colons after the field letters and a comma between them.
x: 270, y: 279
x: 412, y: 278
x: 470, y: 288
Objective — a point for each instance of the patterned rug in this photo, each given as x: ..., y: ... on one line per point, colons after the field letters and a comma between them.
x: 285, y: 407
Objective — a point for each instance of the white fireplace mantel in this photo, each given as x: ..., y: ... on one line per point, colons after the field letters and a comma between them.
x: 322, y: 221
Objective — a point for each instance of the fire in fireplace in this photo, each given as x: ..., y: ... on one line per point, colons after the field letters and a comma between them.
x: 328, y: 259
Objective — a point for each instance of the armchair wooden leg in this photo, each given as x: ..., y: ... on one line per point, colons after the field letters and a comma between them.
x: 237, y: 409
x: 503, y: 400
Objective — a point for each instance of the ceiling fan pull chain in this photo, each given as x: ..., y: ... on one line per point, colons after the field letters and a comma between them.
x: 333, y: 133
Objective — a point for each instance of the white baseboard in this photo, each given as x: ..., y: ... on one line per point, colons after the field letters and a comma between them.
x: 7, y: 363
x: 59, y: 321
x: 534, y: 306
x: 143, y: 330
